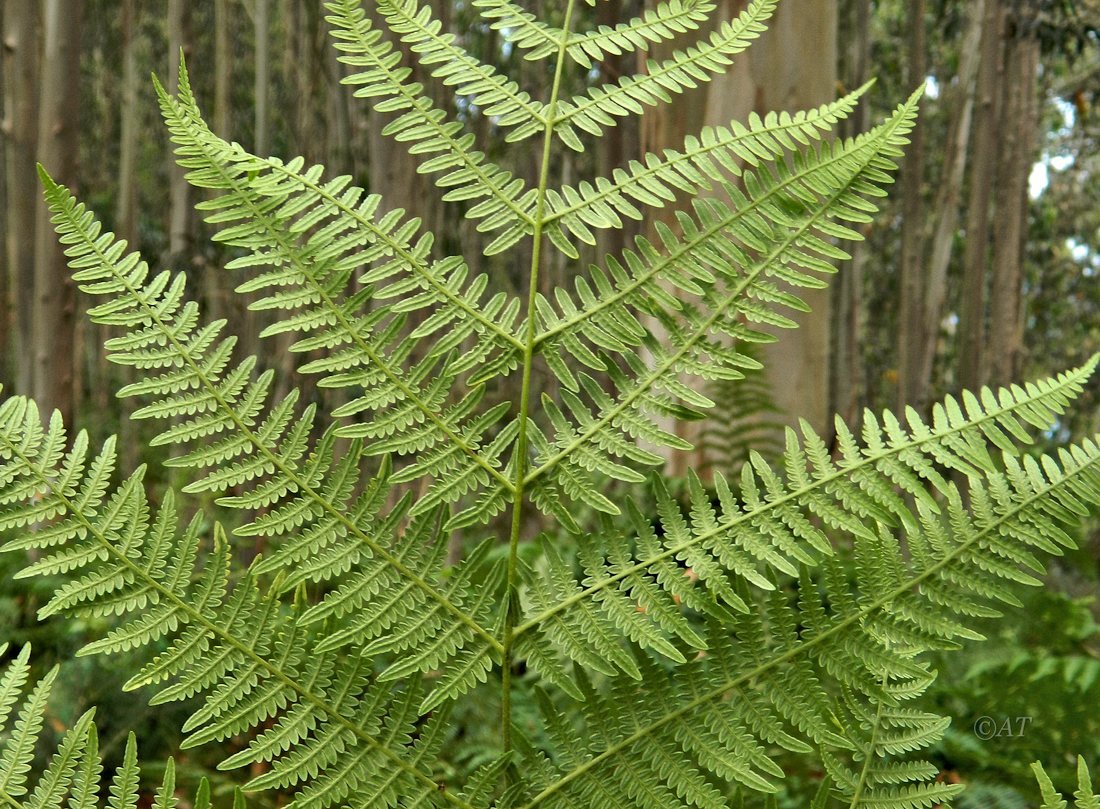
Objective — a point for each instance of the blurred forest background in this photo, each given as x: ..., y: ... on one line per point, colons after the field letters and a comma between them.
x: 982, y: 268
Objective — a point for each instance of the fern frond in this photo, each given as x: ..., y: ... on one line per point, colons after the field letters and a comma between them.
x: 772, y: 527
x: 505, y: 202
x: 763, y: 677
x: 328, y: 718
x: 884, y: 735
x: 713, y: 156
x: 1085, y: 798
x: 686, y: 69
x: 655, y: 25
x: 499, y: 98
x: 302, y: 494
x: 313, y: 236
x: 745, y: 419
x: 734, y: 261
x: 73, y: 774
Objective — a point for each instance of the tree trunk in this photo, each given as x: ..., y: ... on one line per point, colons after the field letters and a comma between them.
x: 128, y: 126
x: 946, y: 210
x: 972, y: 359
x: 911, y: 336
x: 179, y: 217
x: 20, y: 136
x: 58, y: 130
x: 849, y: 384
x: 1019, y: 122
x: 792, y: 67
x: 262, y: 76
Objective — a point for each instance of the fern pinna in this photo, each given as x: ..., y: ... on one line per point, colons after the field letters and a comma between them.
x: 658, y: 661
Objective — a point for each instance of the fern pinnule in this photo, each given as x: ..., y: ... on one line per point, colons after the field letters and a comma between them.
x: 697, y: 64
x: 1084, y: 797
x: 712, y: 157
x: 655, y: 25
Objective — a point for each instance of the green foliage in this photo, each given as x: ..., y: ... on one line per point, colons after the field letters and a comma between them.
x: 1085, y: 798
x: 73, y: 776
x: 658, y: 657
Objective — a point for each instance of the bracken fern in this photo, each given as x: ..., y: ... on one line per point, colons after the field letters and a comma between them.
x: 667, y: 655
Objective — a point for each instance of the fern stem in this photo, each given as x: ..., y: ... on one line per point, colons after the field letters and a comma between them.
x: 197, y: 617
x: 780, y: 660
x: 511, y: 603
x: 868, y: 756
x: 821, y: 483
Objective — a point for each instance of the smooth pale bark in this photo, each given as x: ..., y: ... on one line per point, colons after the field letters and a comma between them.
x: 945, y: 212
x: 911, y: 336
x: 1019, y: 122
x: 791, y: 67
x: 58, y: 130
x: 20, y: 138
x: 972, y: 355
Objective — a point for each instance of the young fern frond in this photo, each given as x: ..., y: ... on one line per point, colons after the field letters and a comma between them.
x: 74, y: 773
x: 1084, y: 796
x: 656, y: 25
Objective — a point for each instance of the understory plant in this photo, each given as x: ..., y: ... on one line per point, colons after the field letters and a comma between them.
x: 642, y: 651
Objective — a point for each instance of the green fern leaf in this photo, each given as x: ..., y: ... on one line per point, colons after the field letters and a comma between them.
x: 655, y: 25
x: 773, y: 526
x: 773, y: 234
x: 712, y: 157
x: 1084, y: 796
x: 685, y: 69
x: 73, y: 774
x: 251, y: 660
x: 504, y: 202
x: 767, y: 674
